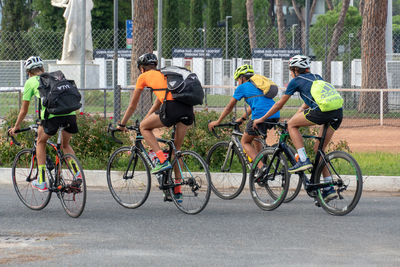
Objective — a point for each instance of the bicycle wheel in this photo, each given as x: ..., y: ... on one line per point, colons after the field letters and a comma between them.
x: 194, y: 179
x: 269, y: 189
x: 128, y: 177
x: 71, y: 178
x: 295, y: 182
x: 228, y: 170
x: 24, y: 171
x: 347, y: 182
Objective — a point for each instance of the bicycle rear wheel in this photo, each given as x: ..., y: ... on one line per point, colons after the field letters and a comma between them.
x: 228, y: 170
x: 191, y: 172
x: 347, y: 182
x: 73, y: 185
x: 128, y: 177
x: 269, y: 189
x: 24, y: 171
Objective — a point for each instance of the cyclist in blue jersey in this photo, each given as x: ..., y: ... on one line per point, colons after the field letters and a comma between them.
x: 307, y: 115
x: 259, y: 105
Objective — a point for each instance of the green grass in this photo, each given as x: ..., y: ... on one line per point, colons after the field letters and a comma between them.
x: 378, y: 163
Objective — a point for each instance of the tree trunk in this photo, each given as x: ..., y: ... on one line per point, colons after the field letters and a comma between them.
x: 271, y: 11
x: 337, y: 33
x: 329, y: 4
x: 281, y: 24
x: 303, y: 20
x: 142, y: 42
x: 142, y: 37
x: 250, y: 22
x: 373, y: 56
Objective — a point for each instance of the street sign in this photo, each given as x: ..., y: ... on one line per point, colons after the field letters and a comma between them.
x: 197, y: 52
x: 129, y: 30
x: 267, y: 53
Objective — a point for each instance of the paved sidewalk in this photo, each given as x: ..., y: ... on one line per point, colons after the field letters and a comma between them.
x: 98, y: 178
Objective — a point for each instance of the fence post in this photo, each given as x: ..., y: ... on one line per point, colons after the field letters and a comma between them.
x: 105, y: 103
x: 381, y: 108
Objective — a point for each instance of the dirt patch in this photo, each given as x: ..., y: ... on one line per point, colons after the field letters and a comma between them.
x: 359, y: 136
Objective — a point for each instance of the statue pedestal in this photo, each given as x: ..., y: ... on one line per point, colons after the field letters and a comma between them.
x: 73, y: 72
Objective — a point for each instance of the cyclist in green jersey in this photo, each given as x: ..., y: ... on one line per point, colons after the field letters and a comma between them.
x: 48, y: 127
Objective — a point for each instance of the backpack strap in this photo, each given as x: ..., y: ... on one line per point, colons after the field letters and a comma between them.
x: 315, y: 77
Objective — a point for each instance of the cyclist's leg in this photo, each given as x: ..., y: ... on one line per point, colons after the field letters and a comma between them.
x: 180, y: 133
x: 147, y: 126
x: 71, y: 127
x: 40, y: 184
x: 299, y: 120
x: 251, y: 148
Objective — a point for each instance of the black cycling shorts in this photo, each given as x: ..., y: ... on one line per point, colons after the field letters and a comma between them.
x: 52, y: 125
x: 172, y: 112
x: 261, y: 128
x: 334, y: 117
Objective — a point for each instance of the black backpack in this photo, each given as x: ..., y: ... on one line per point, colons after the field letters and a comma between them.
x: 184, y: 85
x: 59, y: 95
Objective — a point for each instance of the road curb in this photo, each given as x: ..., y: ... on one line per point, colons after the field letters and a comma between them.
x: 98, y: 178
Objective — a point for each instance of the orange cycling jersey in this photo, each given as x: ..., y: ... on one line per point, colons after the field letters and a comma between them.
x: 155, y: 80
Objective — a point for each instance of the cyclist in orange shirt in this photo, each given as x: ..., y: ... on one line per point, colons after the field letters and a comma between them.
x: 160, y: 115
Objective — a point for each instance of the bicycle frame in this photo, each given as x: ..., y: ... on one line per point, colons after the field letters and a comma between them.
x: 309, y: 184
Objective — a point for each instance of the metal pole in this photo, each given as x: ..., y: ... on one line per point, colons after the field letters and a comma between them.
x: 307, y: 29
x: 83, y: 53
x: 159, y: 32
x: 226, y: 36
x: 117, y: 89
x: 388, y: 34
x: 293, y: 29
x: 133, y: 8
x: 205, y: 61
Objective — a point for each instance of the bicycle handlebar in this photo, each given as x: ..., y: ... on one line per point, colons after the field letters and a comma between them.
x: 112, y: 130
x: 29, y: 128
x: 229, y: 124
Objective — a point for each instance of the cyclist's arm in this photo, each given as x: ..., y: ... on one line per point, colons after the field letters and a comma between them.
x: 275, y: 108
x: 132, y: 106
x: 21, y: 116
x: 227, y: 110
x: 302, y: 108
x: 156, y: 106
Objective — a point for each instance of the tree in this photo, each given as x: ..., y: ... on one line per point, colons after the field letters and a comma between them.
x: 213, y: 16
x: 14, y: 41
x: 337, y: 32
x: 250, y: 22
x: 196, y: 21
x: 373, y: 55
x: 281, y: 24
x: 143, y: 33
x: 329, y: 4
x: 48, y: 17
x: 299, y: 13
x: 171, y: 26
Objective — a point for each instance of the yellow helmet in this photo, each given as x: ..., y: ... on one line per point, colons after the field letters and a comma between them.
x: 242, y: 70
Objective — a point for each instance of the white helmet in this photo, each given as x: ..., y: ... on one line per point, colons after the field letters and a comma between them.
x: 300, y: 61
x: 33, y: 62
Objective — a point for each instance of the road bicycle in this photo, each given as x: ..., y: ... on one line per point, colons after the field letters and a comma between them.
x: 62, y: 174
x: 129, y: 178
x: 228, y: 163
x: 342, y: 167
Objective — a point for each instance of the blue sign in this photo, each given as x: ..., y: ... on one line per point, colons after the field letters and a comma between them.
x: 129, y: 28
x: 197, y: 52
x: 275, y: 53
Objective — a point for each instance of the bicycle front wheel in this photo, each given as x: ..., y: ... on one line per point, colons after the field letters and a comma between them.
x: 192, y: 182
x: 128, y: 177
x: 24, y: 171
x: 269, y: 188
x: 228, y: 170
x: 72, y: 185
x: 347, y: 183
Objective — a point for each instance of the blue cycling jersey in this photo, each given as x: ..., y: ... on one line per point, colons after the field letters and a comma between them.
x: 304, y: 88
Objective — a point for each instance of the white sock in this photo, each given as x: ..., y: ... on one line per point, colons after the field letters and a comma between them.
x: 326, y: 180
x: 302, y: 154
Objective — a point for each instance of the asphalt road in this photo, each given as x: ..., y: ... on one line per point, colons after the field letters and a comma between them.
x: 226, y: 233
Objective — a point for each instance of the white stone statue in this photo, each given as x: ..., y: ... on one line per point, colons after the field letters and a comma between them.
x: 73, y: 30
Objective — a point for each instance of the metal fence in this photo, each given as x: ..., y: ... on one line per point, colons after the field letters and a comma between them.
x: 214, y: 58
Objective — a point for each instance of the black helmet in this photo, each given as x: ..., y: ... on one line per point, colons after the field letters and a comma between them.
x: 147, y: 59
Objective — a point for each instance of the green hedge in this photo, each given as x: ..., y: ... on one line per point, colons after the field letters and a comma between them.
x: 93, y: 145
